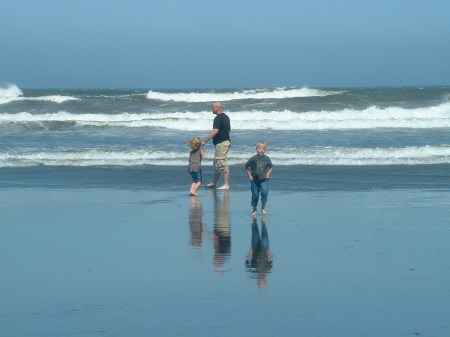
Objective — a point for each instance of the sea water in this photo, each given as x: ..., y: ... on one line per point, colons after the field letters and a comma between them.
x: 318, y: 138
x: 99, y: 235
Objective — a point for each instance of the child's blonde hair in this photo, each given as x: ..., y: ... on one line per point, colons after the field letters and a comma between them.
x: 261, y: 143
x: 195, y: 143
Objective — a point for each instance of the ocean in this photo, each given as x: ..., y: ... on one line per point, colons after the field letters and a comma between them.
x: 99, y: 236
x: 318, y: 138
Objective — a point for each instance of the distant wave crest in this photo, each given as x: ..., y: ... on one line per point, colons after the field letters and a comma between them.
x: 12, y: 93
x: 329, y: 156
x: 276, y: 93
x: 373, y: 117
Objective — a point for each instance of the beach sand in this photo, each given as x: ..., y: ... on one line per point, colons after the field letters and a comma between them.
x: 121, y: 262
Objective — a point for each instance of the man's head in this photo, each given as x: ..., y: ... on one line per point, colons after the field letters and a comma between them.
x: 217, y: 108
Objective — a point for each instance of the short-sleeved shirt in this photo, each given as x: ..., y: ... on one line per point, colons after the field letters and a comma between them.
x: 259, y: 165
x: 222, y: 123
x: 195, y: 161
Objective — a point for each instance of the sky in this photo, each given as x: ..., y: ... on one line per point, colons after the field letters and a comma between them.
x: 224, y: 44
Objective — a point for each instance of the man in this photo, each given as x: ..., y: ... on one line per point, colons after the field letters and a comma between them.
x: 220, y: 135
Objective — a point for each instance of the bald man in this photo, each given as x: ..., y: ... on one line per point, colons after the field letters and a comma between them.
x: 220, y: 135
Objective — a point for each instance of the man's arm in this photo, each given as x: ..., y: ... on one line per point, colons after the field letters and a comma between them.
x: 202, y: 152
x: 210, y: 136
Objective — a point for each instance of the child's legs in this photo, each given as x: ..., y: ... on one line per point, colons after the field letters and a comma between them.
x: 197, y: 180
x: 192, y: 187
x: 196, y: 186
x: 264, y: 190
x: 255, y: 187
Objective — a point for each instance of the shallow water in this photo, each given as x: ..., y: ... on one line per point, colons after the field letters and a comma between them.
x: 121, y: 262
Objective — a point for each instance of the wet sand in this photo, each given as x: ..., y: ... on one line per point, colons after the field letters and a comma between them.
x: 118, y: 262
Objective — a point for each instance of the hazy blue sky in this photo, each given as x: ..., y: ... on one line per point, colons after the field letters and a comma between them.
x: 224, y: 44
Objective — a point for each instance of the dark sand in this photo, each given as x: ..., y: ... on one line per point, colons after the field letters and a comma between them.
x: 112, y: 262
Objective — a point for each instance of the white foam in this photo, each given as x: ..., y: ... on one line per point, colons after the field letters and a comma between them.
x: 425, y: 155
x: 91, y: 158
x: 52, y: 98
x: 370, y: 118
x: 411, y: 155
x: 276, y: 93
x: 13, y: 93
x: 10, y: 93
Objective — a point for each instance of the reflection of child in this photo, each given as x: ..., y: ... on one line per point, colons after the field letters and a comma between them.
x: 196, y: 223
x: 259, y: 168
x: 195, y: 164
x: 259, y: 260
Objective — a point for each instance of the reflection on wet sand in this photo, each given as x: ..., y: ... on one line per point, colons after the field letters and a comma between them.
x: 259, y: 259
x: 196, y: 222
x: 222, y: 230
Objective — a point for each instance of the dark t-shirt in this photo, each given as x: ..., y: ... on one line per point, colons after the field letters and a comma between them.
x: 259, y: 166
x: 222, y: 123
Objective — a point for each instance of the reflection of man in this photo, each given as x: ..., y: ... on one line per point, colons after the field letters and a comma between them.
x: 222, y: 231
x: 220, y: 135
x: 195, y: 222
x: 259, y: 259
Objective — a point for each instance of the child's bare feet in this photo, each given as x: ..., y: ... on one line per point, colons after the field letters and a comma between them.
x: 193, y: 194
x: 263, y: 211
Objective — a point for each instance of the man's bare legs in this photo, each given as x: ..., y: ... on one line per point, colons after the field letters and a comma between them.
x: 214, y: 181
x: 226, y: 180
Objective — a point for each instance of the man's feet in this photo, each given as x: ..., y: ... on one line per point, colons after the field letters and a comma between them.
x: 224, y: 187
x: 193, y: 194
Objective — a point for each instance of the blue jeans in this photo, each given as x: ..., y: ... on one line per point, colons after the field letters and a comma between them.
x: 196, y: 176
x: 259, y: 187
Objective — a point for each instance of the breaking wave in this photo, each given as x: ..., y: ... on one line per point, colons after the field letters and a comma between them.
x: 331, y: 156
x: 12, y: 93
x: 370, y: 118
x: 277, y: 93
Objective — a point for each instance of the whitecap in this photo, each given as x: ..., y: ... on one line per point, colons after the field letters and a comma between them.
x: 257, y: 94
x: 12, y: 93
x: 325, y: 156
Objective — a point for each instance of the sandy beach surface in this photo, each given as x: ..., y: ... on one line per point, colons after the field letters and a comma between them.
x: 137, y: 262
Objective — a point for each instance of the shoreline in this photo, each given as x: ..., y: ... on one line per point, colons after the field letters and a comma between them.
x: 285, y: 178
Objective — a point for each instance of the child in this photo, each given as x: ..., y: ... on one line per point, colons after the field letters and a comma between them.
x: 259, y: 168
x: 195, y: 164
